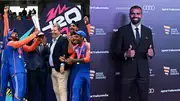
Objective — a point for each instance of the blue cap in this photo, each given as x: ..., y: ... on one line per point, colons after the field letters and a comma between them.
x: 10, y: 32
x: 81, y: 33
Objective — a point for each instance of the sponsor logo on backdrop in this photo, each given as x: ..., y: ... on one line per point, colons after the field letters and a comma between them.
x: 123, y: 8
x: 151, y: 72
x: 151, y: 90
x: 99, y: 95
x: 117, y: 73
x: 171, y: 9
x: 166, y: 70
x: 100, y: 75
x: 62, y: 20
x: 92, y: 28
x: 168, y: 30
x: 99, y: 52
x: 170, y: 50
x: 115, y: 30
x: 151, y: 30
x: 147, y: 8
x: 99, y: 7
x: 169, y: 71
x: 170, y: 90
x: 99, y: 31
x: 62, y: 13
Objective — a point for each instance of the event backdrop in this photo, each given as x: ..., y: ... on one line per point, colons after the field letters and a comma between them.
x: 63, y: 13
x: 162, y: 16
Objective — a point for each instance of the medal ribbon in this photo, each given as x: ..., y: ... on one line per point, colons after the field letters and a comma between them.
x: 80, y: 51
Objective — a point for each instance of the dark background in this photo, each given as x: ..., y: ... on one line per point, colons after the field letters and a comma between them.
x: 42, y: 4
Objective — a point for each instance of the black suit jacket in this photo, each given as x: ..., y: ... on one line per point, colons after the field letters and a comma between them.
x: 60, y: 49
x: 37, y: 59
x: 130, y: 67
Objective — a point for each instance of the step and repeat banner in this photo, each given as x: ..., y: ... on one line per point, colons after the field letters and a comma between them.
x: 162, y: 16
x: 63, y: 13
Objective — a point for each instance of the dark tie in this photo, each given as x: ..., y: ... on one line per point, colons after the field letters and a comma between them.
x: 137, y: 35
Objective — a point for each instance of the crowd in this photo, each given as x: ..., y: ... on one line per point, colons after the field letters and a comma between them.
x: 24, y: 15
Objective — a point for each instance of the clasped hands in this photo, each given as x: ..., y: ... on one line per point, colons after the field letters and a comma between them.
x: 68, y: 60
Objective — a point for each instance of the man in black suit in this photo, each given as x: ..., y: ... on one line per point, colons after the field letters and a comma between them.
x: 134, y: 47
x: 60, y: 73
x: 37, y: 70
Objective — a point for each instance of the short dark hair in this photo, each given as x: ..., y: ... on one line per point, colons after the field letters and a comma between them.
x: 135, y: 7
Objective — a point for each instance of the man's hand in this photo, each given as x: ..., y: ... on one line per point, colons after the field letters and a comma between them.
x: 35, y: 29
x: 150, y: 51
x: 6, y: 9
x: 62, y: 59
x: 130, y: 52
x: 70, y: 61
x: 62, y: 69
x: 36, y: 32
x: 40, y: 39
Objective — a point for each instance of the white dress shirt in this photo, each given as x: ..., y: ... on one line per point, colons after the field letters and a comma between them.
x: 51, y: 50
x: 134, y: 29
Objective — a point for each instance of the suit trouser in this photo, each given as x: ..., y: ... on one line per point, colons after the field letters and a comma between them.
x: 60, y: 84
x: 36, y: 78
x: 5, y: 77
x: 142, y: 85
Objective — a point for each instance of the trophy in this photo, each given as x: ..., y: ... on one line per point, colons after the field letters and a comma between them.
x: 35, y: 20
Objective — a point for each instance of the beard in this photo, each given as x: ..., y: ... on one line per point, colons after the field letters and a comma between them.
x: 135, y: 21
